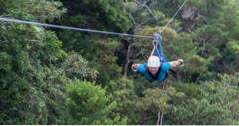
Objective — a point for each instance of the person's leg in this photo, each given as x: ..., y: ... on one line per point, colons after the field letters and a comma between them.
x: 159, y: 48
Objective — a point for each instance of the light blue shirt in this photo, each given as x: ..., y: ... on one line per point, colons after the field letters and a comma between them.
x: 162, y: 74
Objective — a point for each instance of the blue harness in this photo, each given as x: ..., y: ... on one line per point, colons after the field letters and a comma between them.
x: 159, y: 48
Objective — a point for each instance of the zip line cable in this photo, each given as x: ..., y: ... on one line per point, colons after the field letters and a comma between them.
x: 155, y: 44
x: 172, y: 19
x: 71, y: 28
x: 5, y: 19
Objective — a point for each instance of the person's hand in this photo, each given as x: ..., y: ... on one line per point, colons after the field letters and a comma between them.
x: 134, y: 67
x: 180, y: 61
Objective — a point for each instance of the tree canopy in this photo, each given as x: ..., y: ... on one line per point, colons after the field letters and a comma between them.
x: 56, y: 76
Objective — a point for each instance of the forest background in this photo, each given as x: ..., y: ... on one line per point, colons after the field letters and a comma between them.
x: 53, y: 76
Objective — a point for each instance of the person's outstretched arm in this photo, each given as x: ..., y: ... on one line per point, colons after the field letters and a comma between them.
x: 135, y: 67
x: 176, y: 64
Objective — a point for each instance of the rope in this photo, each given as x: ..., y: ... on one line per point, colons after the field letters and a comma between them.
x: 176, y: 13
x: 154, y: 47
x: 4, y: 19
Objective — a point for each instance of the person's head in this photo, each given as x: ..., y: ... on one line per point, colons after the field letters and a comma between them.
x: 153, y: 64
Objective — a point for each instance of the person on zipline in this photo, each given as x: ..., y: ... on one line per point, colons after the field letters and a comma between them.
x: 157, y: 67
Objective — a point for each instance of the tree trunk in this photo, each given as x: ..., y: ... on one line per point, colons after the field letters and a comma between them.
x: 158, y: 121
x: 127, y: 60
x: 160, y: 118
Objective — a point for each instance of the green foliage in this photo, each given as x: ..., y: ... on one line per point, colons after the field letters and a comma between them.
x: 212, y: 98
x: 123, y: 92
x: 6, y: 62
x: 50, y: 76
x: 32, y: 87
x: 230, y: 57
x: 108, y: 14
x: 89, y: 104
x: 33, y: 9
x: 75, y: 67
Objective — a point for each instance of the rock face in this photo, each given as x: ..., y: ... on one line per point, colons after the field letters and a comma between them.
x: 189, y: 13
